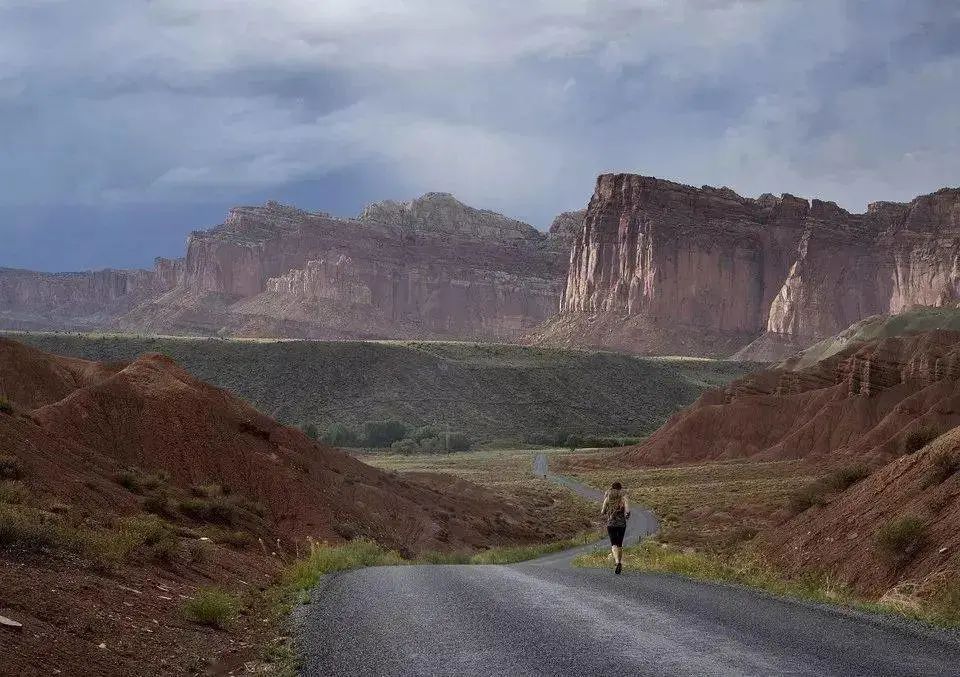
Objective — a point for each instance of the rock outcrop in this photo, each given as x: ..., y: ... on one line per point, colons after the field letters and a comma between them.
x: 34, y: 300
x: 864, y: 401
x: 429, y: 268
x: 443, y: 213
x: 566, y: 226
x: 659, y: 266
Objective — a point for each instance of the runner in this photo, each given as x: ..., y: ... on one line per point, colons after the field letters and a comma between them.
x: 617, y: 509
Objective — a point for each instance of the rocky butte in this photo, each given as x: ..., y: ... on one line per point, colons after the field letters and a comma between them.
x: 429, y: 268
x: 664, y: 268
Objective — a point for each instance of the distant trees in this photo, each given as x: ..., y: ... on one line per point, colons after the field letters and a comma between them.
x: 339, y: 435
x: 382, y: 434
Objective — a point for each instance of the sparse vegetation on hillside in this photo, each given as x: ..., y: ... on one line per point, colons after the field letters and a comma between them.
x: 5, y: 406
x: 485, y: 391
x: 918, y: 438
x: 900, y: 539
x: 211, y: 606
x: 713, y: 506
x: 817, y: 492
x: 10, y: 468
x: 744, y: 568
x: 944, y: 464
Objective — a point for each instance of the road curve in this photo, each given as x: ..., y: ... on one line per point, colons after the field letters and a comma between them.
x: 545, y: 618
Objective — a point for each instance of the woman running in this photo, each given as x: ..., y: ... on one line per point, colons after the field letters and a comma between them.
x: 617, y: 509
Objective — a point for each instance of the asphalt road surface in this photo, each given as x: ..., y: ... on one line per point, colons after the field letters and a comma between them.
x: 546, y: 618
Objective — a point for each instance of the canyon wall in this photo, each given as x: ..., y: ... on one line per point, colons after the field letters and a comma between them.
x: 661, y: 267
x: 34, y: 300
x: 429, y: 268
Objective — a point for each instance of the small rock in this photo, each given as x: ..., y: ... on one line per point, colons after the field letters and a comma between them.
x: 942, y: 550
x: 102, y: 645
x: 10, y: 623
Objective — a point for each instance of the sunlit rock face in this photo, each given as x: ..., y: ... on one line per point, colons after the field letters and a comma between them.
x: 429, y: 268
x: 660, y: 267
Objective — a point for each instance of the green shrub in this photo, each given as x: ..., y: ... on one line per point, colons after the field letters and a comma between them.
x: 816, y: 492
x: 28, y: 530
x: 159, y: 503
x: 918, y: 438
x: 323, y: 559
x: 139, y: 482
x: 946, y: 604
x: 593, y: 442
x: 233, y: 538
x: 12, y: 491
x: 844, y: 478
x: 382, y: 434
x: 10, y: 468
x: 432, y: 445
x: 944, y: 464
x: 32, y: 530
x: 5, y: 406
x: 804, y: 498
x: 197, y: 552
x: 424, y: 432
x: 900, y: 539
x: 539, y: 439
x: 458, y: 442
x: 220, y: 508
x: 211, y: 606
x: 519, y: 553
x: 339, y: 435
x: 405, y: 446
x: 310, y: 430
x: 165, y: 550
x: 206, y: 490
x: 434, y: 557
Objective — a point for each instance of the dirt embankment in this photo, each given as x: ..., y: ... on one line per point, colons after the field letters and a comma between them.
x: 125, y: 487
x: 866, y: 420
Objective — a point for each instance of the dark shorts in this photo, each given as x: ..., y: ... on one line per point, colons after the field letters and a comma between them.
x: 616, y: 535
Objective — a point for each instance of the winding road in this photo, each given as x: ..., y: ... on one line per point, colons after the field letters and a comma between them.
x: 544, y: 617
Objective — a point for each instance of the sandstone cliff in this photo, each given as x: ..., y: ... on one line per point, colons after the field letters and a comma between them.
x: 429, y: 268
x: 33, y: 300
x: 660, y: 267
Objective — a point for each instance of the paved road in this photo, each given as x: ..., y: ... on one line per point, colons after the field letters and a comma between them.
x: 545, y: 618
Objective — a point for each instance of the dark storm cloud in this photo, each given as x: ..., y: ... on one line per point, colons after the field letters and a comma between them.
x: 134, y: 120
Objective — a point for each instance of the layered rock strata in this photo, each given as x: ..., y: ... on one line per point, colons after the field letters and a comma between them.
x: 429, y: 268
x: 660, y: 265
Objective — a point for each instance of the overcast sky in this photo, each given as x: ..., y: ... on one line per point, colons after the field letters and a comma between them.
x: 127, y: 123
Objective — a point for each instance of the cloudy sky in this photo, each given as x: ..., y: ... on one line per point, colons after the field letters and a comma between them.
x: 127, y: 123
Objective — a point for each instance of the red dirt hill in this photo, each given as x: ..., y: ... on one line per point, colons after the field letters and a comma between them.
x: 87, y: 449
x: 877, y: 421
x: 864, y: 402
x: 76, y: 424
x: 841, y: 537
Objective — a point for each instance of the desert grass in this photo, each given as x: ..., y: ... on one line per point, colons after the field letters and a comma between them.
x: 746, y: 568
x: 508, y: 472
x: 522, y: 553
x: 712, y: 505
x: 212, y: 606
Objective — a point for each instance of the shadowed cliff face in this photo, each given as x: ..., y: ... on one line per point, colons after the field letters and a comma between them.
x: 659, y: 265
x: 430, y: 268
